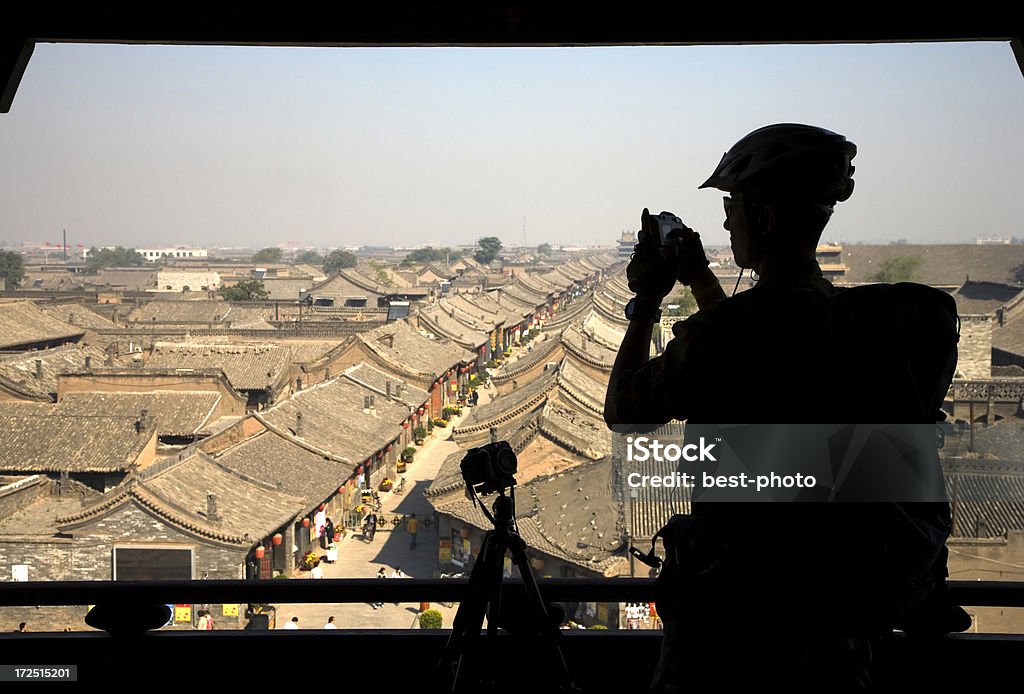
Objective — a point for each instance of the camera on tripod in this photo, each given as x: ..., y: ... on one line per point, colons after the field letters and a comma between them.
x: 490, y: 468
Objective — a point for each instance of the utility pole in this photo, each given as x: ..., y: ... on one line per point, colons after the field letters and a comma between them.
x: 65, y: 246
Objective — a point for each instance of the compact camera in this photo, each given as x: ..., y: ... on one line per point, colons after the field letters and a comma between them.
x: 665, y: 223
x: 490, y: 468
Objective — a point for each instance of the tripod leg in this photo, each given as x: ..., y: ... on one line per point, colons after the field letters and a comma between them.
x: 549, y: 630
x: 470, y: 615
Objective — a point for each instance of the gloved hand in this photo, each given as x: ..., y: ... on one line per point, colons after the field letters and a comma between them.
x: 651, y: 272
x: 690, y: 254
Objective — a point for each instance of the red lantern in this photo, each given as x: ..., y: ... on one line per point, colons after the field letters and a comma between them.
x: 277, y: 539
x: 405, y: 424
x: 419, y: 411
x: 341, y: 489
x: 321, y: 507
x: 260, y: 552
x: 390, y: 446
x: 305, y: 522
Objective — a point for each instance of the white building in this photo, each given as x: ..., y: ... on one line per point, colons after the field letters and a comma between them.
x: 154, y: 254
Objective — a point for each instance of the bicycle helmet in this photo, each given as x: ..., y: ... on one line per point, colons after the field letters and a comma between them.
x: 789, y: 160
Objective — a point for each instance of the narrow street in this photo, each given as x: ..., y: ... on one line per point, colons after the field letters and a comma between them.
x: 390, y: 549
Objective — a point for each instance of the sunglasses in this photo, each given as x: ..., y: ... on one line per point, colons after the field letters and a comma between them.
x: 731, y: 204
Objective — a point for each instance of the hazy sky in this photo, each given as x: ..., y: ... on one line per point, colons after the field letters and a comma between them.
x: 157, y: 145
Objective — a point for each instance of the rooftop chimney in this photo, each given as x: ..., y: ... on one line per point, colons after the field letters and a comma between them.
x: 211, y: 507
x: 298, y: 424
x: 39, y: 368
x: 387, y: 385
x: 88, y: 363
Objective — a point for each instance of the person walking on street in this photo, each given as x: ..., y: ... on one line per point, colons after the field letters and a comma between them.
x: 294, y: 624
x: 330, y: 623
x: 412, y: 525
x: 381, y: 573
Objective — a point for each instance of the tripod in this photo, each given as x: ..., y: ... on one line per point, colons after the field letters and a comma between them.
x: 484, y: 595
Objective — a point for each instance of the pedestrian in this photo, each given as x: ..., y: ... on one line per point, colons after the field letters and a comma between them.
x: 474, y: 397
x: 328, y: 536
x: 209, y: 621
x: 381, y: 573
x: 330, y: 623
x: 397, y: 573
x: 412, y: 525
x: 317, y: 571
x: 319, y: 522
x: 294, y: 624
x: 201, y: 624
x: 23, y: 627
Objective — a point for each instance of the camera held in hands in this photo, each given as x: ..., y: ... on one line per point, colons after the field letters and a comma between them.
x: 490, y: 468
x: 662, y: 224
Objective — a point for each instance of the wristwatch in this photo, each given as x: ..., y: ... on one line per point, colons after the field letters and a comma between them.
x: 637, y: 309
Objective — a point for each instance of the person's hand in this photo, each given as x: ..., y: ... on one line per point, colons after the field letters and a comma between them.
x: 651, y: 272
x: 690, y: 254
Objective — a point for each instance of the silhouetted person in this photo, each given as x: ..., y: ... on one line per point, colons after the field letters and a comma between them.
x: 788, y: 593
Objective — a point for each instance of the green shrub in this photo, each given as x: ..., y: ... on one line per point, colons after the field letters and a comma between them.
x: 599, y: 626
x: 409, y: 451
x: 419, y: 433
x: 431, y: 619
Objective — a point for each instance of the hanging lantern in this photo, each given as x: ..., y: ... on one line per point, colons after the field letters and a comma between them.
x: 419, y: 411
x: 321, y: 507
x: 341, y: 489
x: 390, y: 446
x: 359, y: 470
x: 305, y: 522
x: 261, y: 551
x: 405, y: 424
x: 277, y: 539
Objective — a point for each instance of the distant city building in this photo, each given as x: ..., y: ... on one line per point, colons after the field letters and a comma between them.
x: 626, y: 243
x: 830, y: 258
x: 992, y: 241
x: 154, y: 254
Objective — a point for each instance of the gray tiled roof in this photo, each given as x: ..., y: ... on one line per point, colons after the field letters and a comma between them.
x: 76, y: 314
x: 176, y: 491
x: 983, y: 297
x: 543, y: 351
x: 23, y: 323
x: 583, y: 390
x: 279, y: 461
x: 175, y: 413
x: 573, y: 516
x: 486, y: 308
x: 440, y: 323
x: 247, y: 366
x: 604, y: 331
x: 943, y: 264
x: 575, y: 431
x: 333, y: 419
x: 649, y: 508
x: 55, y: 443
x: 400, y: 344
x: 508, y: 406
x: 18, y: 371
x: 590, y: 351
x: 375, y: 379
x: 202, y: 311
x: 987, y: 497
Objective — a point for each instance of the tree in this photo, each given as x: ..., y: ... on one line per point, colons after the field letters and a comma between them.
x: 12, y: 268
x: 112, y: 257
x: 683, y: 301
x: 898, y: 269
x: 544, y: 249
x: 309, y: 257
x: 488, y: 249
x: 429, y: 255
x: 246, y: 290
x: 268, y: 255
x: 380, y: 274
x: 339, y: 260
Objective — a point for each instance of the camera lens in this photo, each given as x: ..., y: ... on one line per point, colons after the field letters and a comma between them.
x: 506, y: 462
